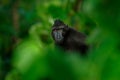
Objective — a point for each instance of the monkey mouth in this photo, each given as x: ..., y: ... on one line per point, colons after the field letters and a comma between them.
x: 59, y: 38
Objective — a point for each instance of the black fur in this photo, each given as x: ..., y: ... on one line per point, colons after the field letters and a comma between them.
x: 73, y: 40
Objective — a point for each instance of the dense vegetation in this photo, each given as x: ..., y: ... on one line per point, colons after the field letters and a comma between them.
x: 27, y: 51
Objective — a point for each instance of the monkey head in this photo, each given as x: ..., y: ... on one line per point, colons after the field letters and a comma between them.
x: 59, y: 31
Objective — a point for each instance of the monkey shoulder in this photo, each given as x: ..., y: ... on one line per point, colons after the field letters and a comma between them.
x: 74, y: 35
x: 75, y: 32
x: 77, y: 41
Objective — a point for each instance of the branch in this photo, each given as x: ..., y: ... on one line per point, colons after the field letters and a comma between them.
x: 77, y: 5
x: 15, y: 18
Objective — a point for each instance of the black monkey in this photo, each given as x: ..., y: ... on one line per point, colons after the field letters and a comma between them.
x: 68, y: 38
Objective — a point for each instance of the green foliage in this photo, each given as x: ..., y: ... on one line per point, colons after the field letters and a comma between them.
x: 105, y: 13
x: 57, y: 12
x: 27, y: 46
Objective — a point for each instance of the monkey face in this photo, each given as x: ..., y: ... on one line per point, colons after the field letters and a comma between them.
x: 59, y: 30
x: 58, y: 35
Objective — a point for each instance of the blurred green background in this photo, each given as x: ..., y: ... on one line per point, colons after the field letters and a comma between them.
x: 27, y: 51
